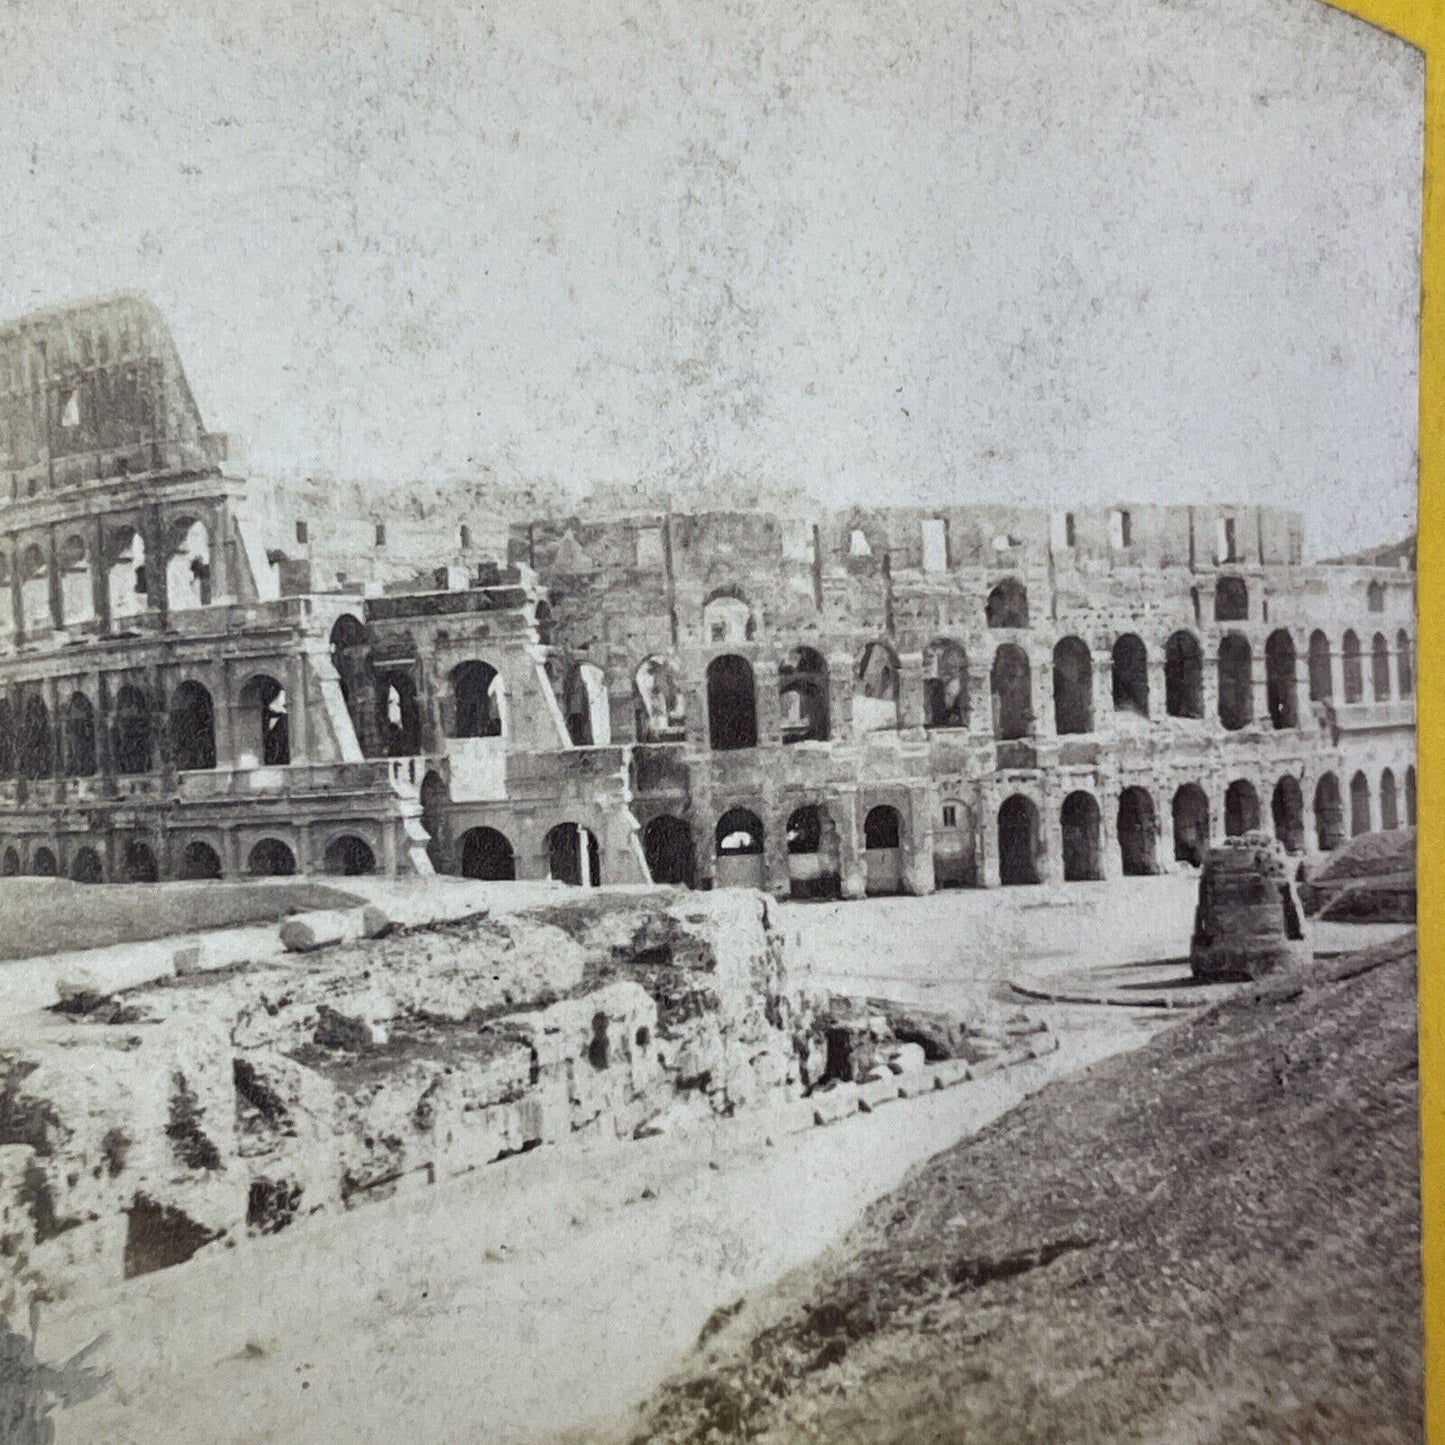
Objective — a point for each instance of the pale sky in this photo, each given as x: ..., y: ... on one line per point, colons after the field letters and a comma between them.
x: 1051, y: 250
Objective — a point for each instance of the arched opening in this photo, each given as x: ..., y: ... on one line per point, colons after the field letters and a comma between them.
x: 732, y: 705
x: 738, y: 844
x: 660, y: 704
x: 188, y: 565
x: 585, y: 706
x: 1389, y: 802
x: 351, y: 657
x: 945, y: 685
x: 10, y: 866
x: 1359, y: 805
x: 349, y: 855
x: 476, y: 700
x: 1241, y: 809
x: 398, y: 714
x: 1404, y: 663
x: 955, y: 861
x: 1079, y: 834
x: 1281, y: 694
x: 1231, y: 600
x: 1131, y: 675
x: 1190, y: 815
x: 875, y: 689
x: 573, y: 856
x: 1354, y: 668
x: 1322, y: 673
x: 78, y: 737
x: 487, y: 855
x: 1287, y: 810
x: 200, y: 862
x: 1073, y: 686
x: 43, y: 864
x: 193, y: 728
x: 1410, y: 820
x: 803, y: 693
x: 77, y: 591
x: 130, y: 732
x: 265, y: 728
x: 1018, y: 841
x: 1138, y: 833
x: 9, y: 742
x: 883, y: 850
x: 1375, y: 597
x: 125, y: 577
x: 1183, y: 676
x: 1380, y: 667
x: 814, y: 866
x: 1329, y: 814
x: 727, y: 620
x: 667, y: 846
x: 1012, y: 688
x: 33, y: 756
x: 138, y: 864
x: 1008, y: 604
x: 85, y: 866
x: 1236, y: 681
x: 271, y: 858
x: 35, y: 590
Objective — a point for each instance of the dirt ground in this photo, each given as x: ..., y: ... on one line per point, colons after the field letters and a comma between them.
x: 1213, y: 1240
x: 962, y: 944
x: 543, y: 1298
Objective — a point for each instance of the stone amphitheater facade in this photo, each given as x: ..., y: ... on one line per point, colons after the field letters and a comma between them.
x: 201, y: 677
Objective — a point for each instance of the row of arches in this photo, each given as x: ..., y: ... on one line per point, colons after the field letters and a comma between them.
x: 573, y: 855
x: 29, y: 748
x: 728, y: 618
x: 1021, y: 846
x: 1352, y: 666
x: 803, y: 688
x: 814, y: 854
x: 39, y: 595
x: 346, y: 856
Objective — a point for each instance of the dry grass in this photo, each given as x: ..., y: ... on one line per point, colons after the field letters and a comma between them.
x: 54, y: 915
x: 1213, y: 1240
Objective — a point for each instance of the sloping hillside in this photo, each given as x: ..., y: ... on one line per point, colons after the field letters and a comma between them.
x: 1213, y: 1240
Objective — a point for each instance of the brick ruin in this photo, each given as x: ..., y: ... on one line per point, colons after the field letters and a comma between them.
x: 197, y: 682
x: 140, y: 1126
x: 1248, y: 921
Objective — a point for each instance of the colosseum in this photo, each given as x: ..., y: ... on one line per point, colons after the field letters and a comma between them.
x: 208, y: 678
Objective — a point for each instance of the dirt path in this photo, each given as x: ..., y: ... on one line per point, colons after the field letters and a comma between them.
x: 1215, y: 1242
x: 543, y: 1296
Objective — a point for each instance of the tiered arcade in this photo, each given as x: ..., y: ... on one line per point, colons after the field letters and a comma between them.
x: 871, y: 701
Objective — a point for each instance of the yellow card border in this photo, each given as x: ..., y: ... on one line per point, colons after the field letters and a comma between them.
x: 1422, y: 24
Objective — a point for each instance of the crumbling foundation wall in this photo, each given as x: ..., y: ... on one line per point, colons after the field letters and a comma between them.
x: 138, y: 1128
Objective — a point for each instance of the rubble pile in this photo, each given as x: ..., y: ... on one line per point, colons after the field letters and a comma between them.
x: 139, y: 1126
x: 865, y: 1040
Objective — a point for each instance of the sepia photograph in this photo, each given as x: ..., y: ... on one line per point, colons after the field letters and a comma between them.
x: 708, y: 723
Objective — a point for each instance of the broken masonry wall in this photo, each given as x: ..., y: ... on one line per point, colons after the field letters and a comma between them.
x: 137, y: 1129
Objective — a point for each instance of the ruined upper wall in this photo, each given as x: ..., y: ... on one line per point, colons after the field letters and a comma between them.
x: 92, y: 392
x: 989, y: 538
